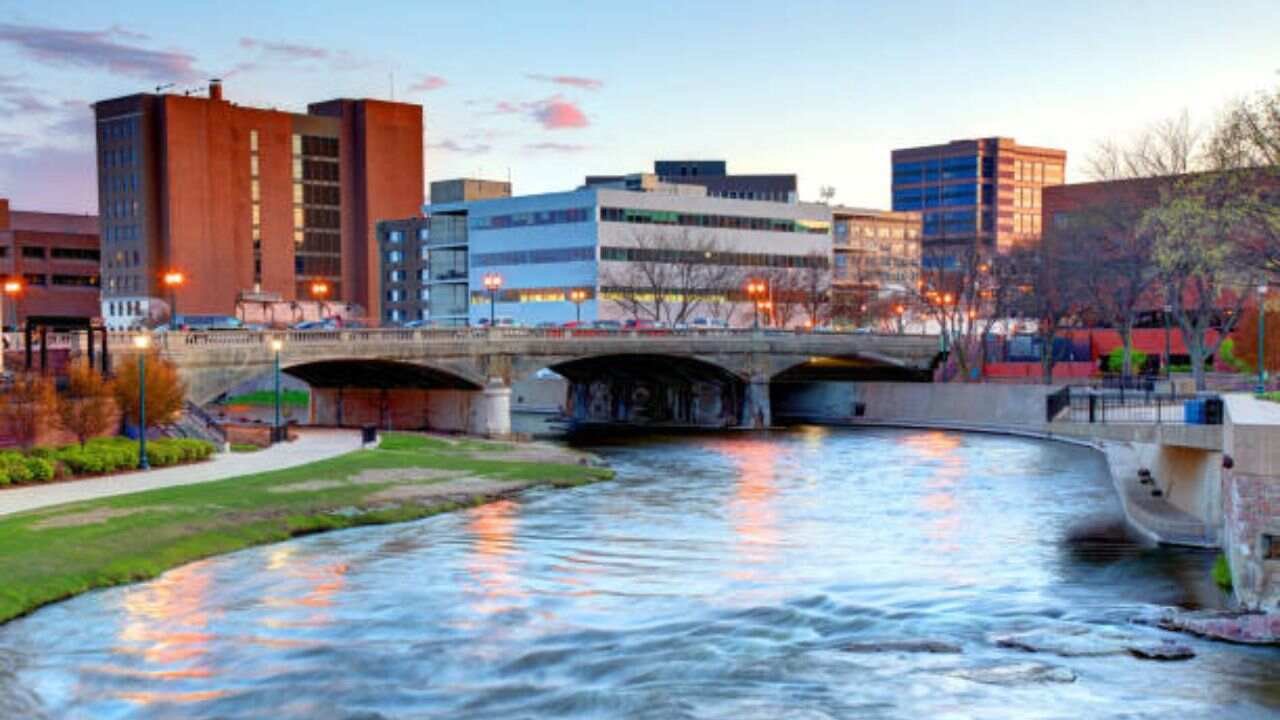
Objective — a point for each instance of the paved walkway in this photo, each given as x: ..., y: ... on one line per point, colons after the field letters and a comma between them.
x: 312, y: 445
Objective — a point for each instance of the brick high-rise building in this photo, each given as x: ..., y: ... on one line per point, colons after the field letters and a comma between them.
x: 985, y: 192
x: 244, y: 199
x: 55, y: 256
x: 875, y: 253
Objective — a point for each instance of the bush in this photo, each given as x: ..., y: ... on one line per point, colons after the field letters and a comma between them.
x: 1222, y: 572
x: 13, y: 466
x: 41, y: 470
x: 1115, y: 360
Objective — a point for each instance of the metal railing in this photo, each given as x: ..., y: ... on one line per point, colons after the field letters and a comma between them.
x: 204, y: 418
x: 1093, y: 405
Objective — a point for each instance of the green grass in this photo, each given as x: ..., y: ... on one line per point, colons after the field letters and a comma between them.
x: 1222, y: 572
x: 1273, y: 396
x: 244, y: 448
x: 267, y: 398
x: 172, y: 526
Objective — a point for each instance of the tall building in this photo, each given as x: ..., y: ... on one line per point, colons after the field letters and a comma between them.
x: 875, y: 253
x: 714, y: 176
x: 598, y: 240
x: 983, y: 192
x: 244, y: 199
x: 55, y: 256
x: 424, y: 259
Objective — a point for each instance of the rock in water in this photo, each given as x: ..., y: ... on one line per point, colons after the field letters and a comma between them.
x: 1016, y: 674
x: 905, y: 646
x: 1162, y: 651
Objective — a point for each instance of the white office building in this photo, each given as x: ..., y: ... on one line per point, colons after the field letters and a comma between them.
x: 654, y: 249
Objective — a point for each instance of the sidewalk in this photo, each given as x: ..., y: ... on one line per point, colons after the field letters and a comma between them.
x: 311, y: 445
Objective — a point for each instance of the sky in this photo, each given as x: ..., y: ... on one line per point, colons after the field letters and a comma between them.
x: 548, y: 92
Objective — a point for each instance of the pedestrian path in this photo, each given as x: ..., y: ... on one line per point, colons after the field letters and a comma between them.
x: 311, y: 445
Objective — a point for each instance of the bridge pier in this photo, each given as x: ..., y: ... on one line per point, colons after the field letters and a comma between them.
x: 491, y: 410
x: 757, y: 412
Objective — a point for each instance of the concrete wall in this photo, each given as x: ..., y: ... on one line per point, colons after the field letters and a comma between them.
x: 400, y: 409
x: 539, y: 394
x: 1251, y: 501
x: 1007, y: 407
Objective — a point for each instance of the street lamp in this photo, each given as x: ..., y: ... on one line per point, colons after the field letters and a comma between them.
x: 173, y: 280
x: 492, y: 283
x: 578, y: 297
x: 767, y: 307
x: 142, y: 342
x: 276, y: 346
x: 12, y: 288
x: 320, y: 291
x: 1168, y: 311
x: 756, y: 289
x: 1262, y: 337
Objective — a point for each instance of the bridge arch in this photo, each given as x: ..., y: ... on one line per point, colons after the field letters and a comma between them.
x: 863, y: 367
x: 379, y: 374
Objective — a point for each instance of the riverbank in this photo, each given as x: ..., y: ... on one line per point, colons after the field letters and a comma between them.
x: 57, y: 552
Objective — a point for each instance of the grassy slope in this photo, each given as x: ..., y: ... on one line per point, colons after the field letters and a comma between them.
x: 267, y: 398
x: 180, y: 524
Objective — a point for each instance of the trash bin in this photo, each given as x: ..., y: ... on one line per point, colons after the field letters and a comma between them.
x: 859, y: 409
x: 368, y: 434
x: 1213, y: 411
x: 1193, y: 412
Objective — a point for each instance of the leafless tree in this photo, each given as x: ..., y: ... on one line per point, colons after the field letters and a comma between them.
x: 958, y: 291
x: 671, y: 275
x: 1169, y: 147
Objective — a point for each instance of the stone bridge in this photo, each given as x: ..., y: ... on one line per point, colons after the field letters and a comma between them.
x: 460, y: 378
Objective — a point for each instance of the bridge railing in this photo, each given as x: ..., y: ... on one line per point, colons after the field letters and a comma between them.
x: 178, y: 341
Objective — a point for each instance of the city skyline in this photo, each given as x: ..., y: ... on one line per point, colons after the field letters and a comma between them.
x: 545, y: 95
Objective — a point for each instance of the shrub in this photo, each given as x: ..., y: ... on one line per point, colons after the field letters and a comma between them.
x: 1115, y: 360
x: 40, y: 469
x: 14, y: 468
x: 1222, y: 572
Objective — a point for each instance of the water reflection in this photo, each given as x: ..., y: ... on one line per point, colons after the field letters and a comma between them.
x: 717, y: 576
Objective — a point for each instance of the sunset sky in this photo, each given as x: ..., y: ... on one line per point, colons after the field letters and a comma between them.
x: 551, y: 91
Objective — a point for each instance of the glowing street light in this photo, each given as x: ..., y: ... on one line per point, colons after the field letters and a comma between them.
x: 12, y: 289
x: 492, y: 283
x: 319, y: 292
x: 142, y: 342
x: 577, y: 297
x: 756, y: 288
x: 173, y: 280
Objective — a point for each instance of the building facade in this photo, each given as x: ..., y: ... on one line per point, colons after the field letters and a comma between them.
x: 244, y: 199
x: 602, y: 241
x: 714, y: 176
x: 985, y: 193
x: 875, y: 253
x: 55, y: 256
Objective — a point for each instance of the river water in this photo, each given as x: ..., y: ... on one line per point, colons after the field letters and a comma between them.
x: 742, y: 576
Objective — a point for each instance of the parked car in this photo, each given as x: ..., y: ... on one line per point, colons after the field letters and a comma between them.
x: 209, y: 322
x: 606, y: 325
x: 325, y: 324
x: 500, y: 321
x: 545, y: 324
x: 706, y: 323
x: 576, y: 324
x: 636, y: 324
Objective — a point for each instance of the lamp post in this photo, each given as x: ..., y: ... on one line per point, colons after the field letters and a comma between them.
x: 173, y: 280
x: 142, y: 342
x: 767, y: 307
x: 492, y: 283
x: 320, y: 291
x: 12, y: 287
x: 578, y: 297
x: 1168, y: 310
x: 276, y: 346
x: 756, y: 289
x: 1262, y: 337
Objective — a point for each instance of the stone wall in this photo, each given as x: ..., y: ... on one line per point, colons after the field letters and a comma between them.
x: 980, y: 406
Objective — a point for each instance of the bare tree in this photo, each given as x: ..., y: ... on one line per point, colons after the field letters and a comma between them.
x: 1169, y: 147
x: 1246, y: 142
x: 671, y: 275
x: 957, y: 291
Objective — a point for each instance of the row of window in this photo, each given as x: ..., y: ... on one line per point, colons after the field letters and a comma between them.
x: 700, y: 257
x: 528, y: 219
x: 1037, y: 172
x: 732, y: 222
x: 1026, y: 223
x: 751, y: 195
x: 131, y: 308
x: 121, y: 233
x: 123, y: 258
x: 119, y: 157
x: 844, y: 228
x: 122, y: 183
x: 41, y: 280
x: 952, y: 168
x: 941, y: 196
x: 535, y: 257
x: 119, y: 209
x: 1026, y: 197
x: 529, y: 295
x: 118, y: 129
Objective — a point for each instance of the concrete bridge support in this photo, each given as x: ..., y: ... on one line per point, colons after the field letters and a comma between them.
x: 491, y: 410
x: 757, y: 411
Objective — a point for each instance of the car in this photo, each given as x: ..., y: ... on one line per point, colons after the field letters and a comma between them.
x: 325, y: 324
x: 706, y: 323
x: 546, y: 324
x: 415, y: 324
x: 576, y: 325
x: 637, y: 324
x: 208, y: 322
x: 606, y: 325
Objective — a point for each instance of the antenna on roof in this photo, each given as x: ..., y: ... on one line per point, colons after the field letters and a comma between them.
x: 826, y: 192
x: 391, y: 80
x: 161, y: 88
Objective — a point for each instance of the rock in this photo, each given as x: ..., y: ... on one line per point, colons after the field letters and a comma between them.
x: 1166, y: 651
x: 1015, y: 674
x: 1067, y: 641
x: 905, y: 646
x: 1245, y: 628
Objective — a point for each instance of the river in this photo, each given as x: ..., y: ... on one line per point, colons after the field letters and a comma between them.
x: 743, y: 576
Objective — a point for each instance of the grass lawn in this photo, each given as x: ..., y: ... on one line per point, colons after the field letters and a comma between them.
x: 54, y: 553
x: 244, y: 448
x: 267, y: 398
x: 1273, y: 396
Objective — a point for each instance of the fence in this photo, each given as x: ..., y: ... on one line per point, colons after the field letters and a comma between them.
x: 1121, y: 406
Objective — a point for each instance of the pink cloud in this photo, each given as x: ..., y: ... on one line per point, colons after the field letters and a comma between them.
x: 584, y: 83
x: 559, y: 114
x: 456, y: 147
x: 99, y: 50
x: 428, y: 83
x: 283, y: 50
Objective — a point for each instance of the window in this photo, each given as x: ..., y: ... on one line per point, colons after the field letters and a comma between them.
x: 253, y: 165
x: 255, y: 190
x: 32, y: 251
x: 395, y: 256
x: 253, y: 141
x: 395, y: 237
x: 297, y: 144
x: 424, y: 234
x: 61, y: 253
x: 76, y: 280
x: 34, y: 279
x: 297, y: 193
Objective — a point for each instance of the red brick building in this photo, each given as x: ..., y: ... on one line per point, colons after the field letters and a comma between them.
x: 244, y: 199
x: 55, y: 256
